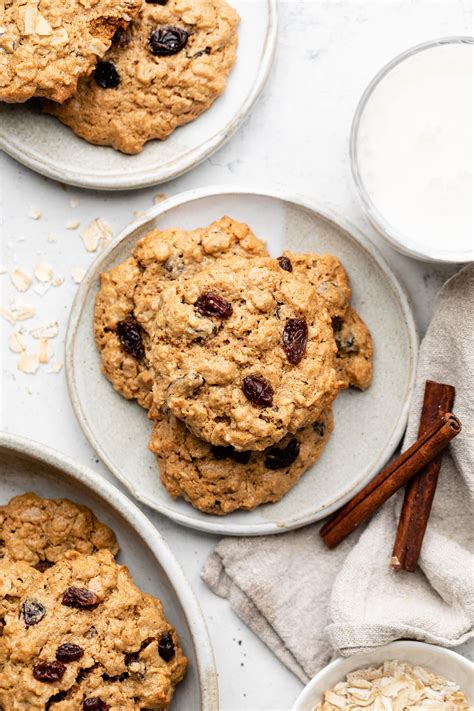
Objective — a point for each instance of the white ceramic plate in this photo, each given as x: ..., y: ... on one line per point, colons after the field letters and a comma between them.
x: 368, y: 425
x: 28, y: 466
x: 442, y: 661
x: 42, y: 143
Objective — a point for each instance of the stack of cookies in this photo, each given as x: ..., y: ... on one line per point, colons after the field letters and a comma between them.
x: 75, y: 631
x: 118, y: 72
x: 237, y: 357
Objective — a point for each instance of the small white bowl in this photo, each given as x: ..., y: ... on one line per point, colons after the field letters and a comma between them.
x: 438, y: 659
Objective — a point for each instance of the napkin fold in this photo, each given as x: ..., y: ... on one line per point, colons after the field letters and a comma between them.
x: 308, y: 603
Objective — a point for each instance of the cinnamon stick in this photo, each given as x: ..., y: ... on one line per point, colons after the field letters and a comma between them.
x: 389, y: 480
x: 420, y: 491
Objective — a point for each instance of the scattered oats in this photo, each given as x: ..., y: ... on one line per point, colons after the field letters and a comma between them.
x: 45, y: 330
x: 41, y: 288
x: 43, y: 272
x: 22, y: 312
x: 96, y: 46
x: 395, y: 686
x: 138, y: 213
x: 96, y: 234
x: 44, y: 351
x: 16, y: 342
x: 56, y: 366
x: 35, y: 213
x: 78, y: 275
x: 72, y: 225
x: 28, y: 362
x: 60, y: 36
x: 7, y: 314
x: 52, y: 237
x: 21, y: 280
x: 74, y: 202
x: 58, y: 281
x: 159, y: 197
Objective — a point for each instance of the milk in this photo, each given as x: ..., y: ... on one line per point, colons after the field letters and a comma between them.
x: 415, y: 149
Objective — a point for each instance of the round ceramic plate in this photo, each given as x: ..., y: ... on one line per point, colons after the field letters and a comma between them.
x: 44, y: 144
x: 28, y: 466
x: 368, y: 426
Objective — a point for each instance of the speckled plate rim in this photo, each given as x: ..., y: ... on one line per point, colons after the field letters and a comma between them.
x: 131, y: 180
x: 206, y: 669
x: 210, y: 524
x: 404, y: 650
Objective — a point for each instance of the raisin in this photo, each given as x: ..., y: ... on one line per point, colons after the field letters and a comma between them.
x: 295, y: 338
x: 121, y: 37
x: 200, y: 52
x: 49, y: 671
x: 221, y: 452
x: 60, y: 696
x: 33, y: 612
x: 95, y: 703
x: 43, y: 565
x: 285, y: 264
x: 347, y: 345
x: 168, y: 40
x: 211, y: 304
x: 80, y: 598
x: 131, y: 657
x: 319, y: 428
x: 106, y: 75
x: 336, y: 323
x: 68, y: 652
x: 258, y: 390
x: 166, y: 647
x: 278, y: 458
x: 129, y: 333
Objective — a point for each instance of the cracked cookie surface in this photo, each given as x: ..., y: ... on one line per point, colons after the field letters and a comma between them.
x: 227, y: 371
x: 167, y: 68
x: 219, y: 480
x: 133, y: 288
x: 39, y: 531
x: 114, y: 642
x: 326, y: 273
x: 45, y: 47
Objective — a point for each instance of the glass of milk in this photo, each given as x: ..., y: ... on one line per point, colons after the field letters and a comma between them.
x: 412, y: 150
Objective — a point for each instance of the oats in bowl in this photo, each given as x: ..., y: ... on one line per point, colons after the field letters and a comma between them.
x: 394, y: 686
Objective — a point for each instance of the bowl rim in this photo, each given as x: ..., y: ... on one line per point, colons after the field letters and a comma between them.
x: 206, y: 672
x: 375, y: 217
x: 134, y: 180
x: 387, y: 649
x: 220, y: 526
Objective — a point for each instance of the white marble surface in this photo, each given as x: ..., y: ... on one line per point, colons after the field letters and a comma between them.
x: 296, y: 137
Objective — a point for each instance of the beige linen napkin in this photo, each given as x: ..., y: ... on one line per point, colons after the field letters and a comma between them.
x: 308, y: 603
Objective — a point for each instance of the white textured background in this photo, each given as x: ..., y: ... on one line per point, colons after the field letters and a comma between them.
x: 296, y: 137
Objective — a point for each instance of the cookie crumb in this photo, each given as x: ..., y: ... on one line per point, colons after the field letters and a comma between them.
x: 72, y: 225
x: 159, y: 197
